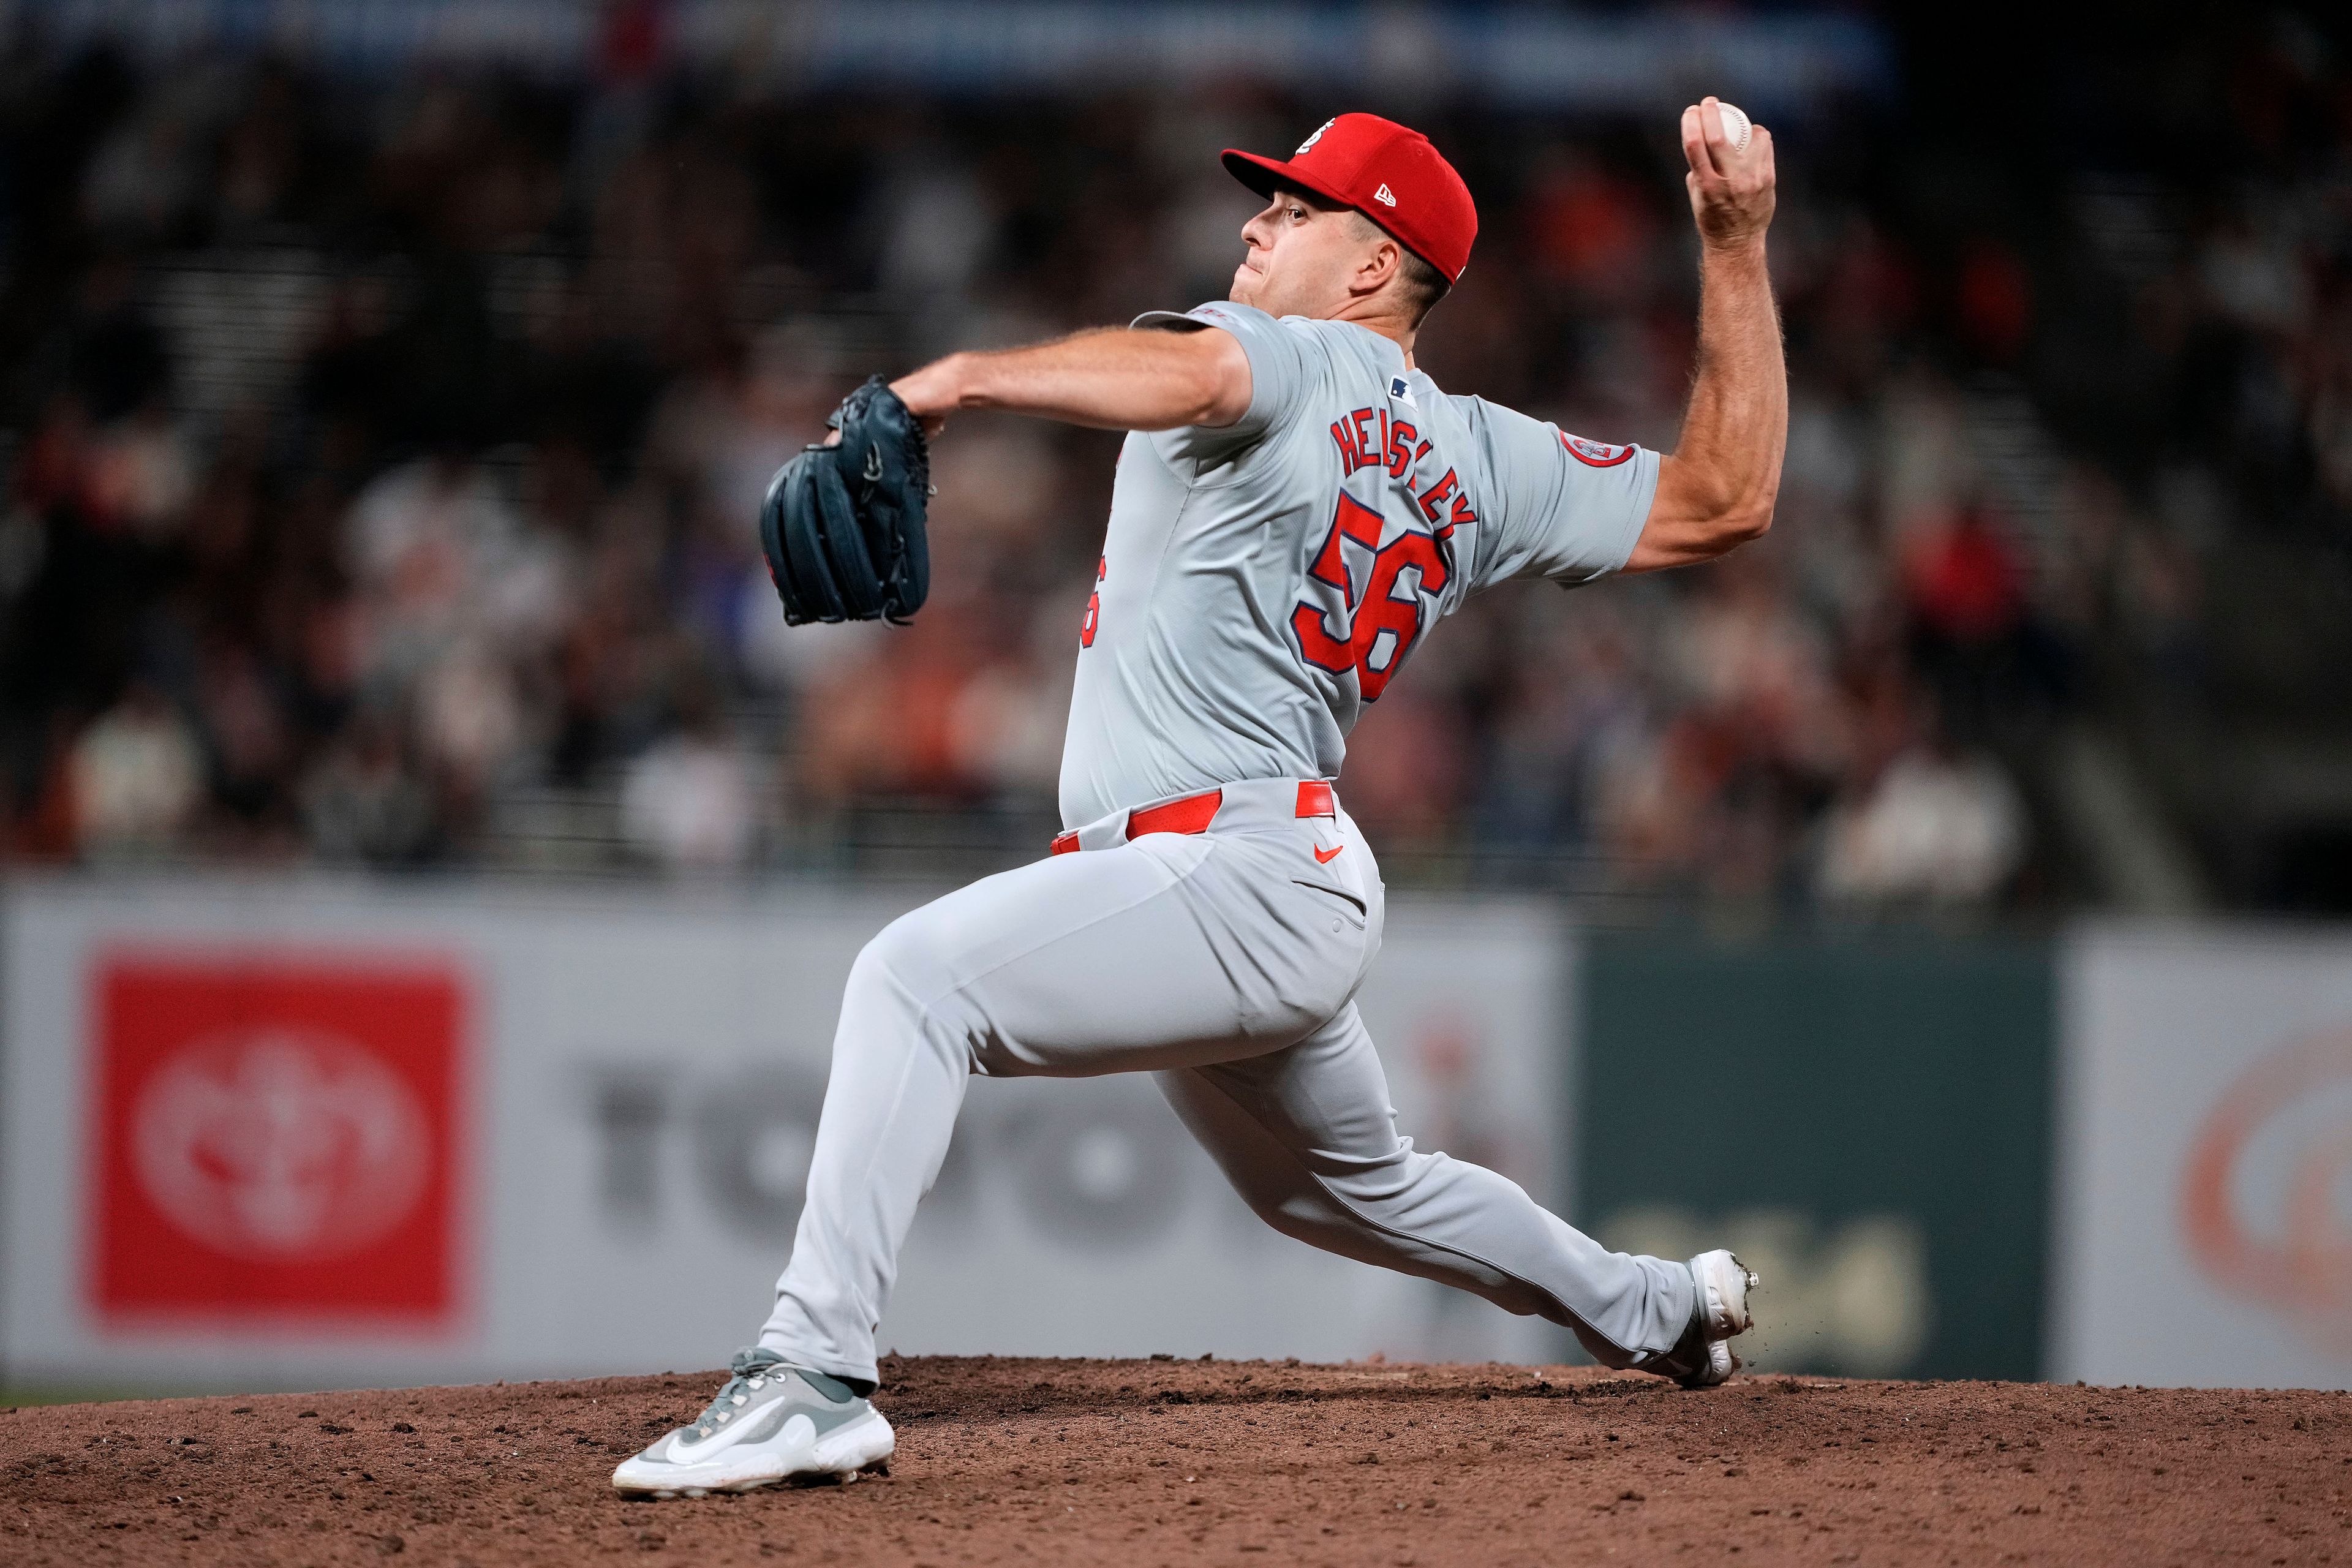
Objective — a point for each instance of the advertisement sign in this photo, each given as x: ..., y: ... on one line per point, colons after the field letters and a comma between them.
x: 1864, y: 1119
x: 274, y: 1136
x: 2204, y: 1216
x: 264, y: 1132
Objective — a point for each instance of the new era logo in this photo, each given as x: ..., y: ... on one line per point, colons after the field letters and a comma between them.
x: 1385, y: 196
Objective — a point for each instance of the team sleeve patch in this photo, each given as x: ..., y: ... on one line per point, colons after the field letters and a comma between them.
x: 1595, y: 454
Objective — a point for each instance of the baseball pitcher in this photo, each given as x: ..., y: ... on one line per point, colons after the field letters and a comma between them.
x: 1296, y: 505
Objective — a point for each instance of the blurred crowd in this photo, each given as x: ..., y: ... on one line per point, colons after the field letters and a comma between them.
x: 383, y: 459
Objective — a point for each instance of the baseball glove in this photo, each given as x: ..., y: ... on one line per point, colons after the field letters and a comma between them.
x: 841, y: 526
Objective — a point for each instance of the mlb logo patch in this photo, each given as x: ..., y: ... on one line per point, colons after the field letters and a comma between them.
x: 275, y: 1137
x: 1595, y: 454
x: 1400, y: 390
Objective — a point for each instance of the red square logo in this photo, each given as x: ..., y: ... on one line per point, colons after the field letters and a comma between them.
x: 276, y: 1138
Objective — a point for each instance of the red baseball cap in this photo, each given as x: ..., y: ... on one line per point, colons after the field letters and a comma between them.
x: 1385, y: 171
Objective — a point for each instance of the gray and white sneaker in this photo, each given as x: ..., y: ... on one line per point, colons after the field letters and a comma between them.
x: 769, y: 1422
x: 1705, y: 1358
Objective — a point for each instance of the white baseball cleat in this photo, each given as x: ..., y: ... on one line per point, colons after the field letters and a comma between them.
x: 769, y: 1422
x: 1704, y: 1358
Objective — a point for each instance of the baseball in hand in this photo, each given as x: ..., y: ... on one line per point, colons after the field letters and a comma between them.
x: 1735, y: 125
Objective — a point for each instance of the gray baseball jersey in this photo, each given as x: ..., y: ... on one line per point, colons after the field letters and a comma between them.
x: 1261, y: 582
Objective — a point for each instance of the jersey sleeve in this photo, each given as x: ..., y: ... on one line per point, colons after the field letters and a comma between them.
x: 1569, y: 509
x: 1281, y: 371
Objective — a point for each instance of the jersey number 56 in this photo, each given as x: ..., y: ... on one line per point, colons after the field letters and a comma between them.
x: 1353, y: 639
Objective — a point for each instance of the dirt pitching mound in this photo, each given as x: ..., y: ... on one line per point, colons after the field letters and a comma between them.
x: 1136, y: 1463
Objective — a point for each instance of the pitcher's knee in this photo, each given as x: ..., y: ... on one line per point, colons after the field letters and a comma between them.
x: 902, y: 941
x: 1359, y: 1201
x: 884, y: 1006
x: 1383, y: 1191
x: 1304, y: 1214
x: 909, y: 953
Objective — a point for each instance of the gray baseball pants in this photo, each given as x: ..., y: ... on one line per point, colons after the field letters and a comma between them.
x: 1226, y: 964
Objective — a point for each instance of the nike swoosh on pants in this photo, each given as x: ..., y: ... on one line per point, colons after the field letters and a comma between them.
x: 1326, y: 857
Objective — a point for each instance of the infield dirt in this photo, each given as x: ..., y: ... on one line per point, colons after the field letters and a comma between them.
x: 1137, y: 1463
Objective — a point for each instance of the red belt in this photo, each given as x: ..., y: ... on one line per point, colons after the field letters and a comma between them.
x: 1195, y: 812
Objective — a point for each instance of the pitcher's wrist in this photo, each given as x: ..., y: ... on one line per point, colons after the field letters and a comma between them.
x: 1748, y: 247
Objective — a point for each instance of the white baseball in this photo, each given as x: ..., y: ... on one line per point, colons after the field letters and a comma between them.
x: 1735, y: 125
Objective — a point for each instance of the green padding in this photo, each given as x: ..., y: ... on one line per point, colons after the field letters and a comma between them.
x: 1867, y: 1119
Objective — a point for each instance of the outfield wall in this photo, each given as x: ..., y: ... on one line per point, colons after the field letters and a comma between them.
x: 303, y: 1132
x: 314, y: 1132
x: 1864, y: 1118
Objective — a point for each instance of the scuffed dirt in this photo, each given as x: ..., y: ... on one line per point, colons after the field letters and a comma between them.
x: 1135, y: 1463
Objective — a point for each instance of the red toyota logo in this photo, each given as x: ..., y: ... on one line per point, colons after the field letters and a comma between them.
x: 276, y: 1134
x: 2267, y: 1195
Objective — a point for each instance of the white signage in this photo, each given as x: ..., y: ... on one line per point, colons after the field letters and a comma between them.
x: 2204, y: 1179
x: 315, y: 1133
